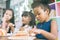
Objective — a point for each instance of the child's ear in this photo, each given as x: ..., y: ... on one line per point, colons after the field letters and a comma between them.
x: 47, y: 11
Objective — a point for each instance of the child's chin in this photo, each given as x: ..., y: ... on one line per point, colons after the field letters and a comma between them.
x: 41, y: 21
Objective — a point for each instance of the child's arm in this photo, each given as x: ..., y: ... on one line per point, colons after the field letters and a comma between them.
x: 53, y: 34
x: 11, y: 26
x: 50, y: 36
x: 54, y: 28
x: 4, y: 24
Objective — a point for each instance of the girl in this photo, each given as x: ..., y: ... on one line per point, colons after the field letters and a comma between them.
x: 46, y: 28
x: 28, y: 22
x: 8, y: 20
x: 28, y: 19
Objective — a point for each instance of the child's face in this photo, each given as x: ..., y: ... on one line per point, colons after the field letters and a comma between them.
x: 8, y: 14
x: 26, y: 19
x: 40, y: 14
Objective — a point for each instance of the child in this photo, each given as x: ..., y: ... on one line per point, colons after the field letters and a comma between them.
x: 28, y: 22
x: 46, y: 28
x: 8, y: 21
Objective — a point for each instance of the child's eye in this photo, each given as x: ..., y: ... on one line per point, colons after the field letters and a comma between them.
x: 6, y: 13
x: 38, y: 14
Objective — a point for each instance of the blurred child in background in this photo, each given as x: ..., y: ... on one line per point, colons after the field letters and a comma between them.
x: 28, y: 22
x: 28, y: 19
x: 8, y: 20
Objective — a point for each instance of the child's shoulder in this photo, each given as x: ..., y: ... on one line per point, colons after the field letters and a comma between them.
x: 53, y: 21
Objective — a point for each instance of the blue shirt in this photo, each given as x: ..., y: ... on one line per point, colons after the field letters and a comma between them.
x: 45, y: 26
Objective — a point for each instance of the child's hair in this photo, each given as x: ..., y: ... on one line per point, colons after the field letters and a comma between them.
x: 30, y: 14
x: 40, y: 4
x: 43, y: 1
x: 12, y: 19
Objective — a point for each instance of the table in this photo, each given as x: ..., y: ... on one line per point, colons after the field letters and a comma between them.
x: 18, y: 38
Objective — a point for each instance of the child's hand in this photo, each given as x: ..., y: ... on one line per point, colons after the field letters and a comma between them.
x: 31, y: 33
x: 11, y: 25
x: 37, y: 31
x: 4, y: 19
x: 22, y: 29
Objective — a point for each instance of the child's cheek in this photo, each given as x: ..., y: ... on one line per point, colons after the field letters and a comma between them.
x: 9, y: 18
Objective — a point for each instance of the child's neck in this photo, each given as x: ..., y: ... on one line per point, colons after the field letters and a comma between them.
x: 7, y: 21
x: 47, y: 19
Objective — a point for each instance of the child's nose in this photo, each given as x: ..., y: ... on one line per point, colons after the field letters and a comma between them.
x: 36, y: 16
x: 7, y: 15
